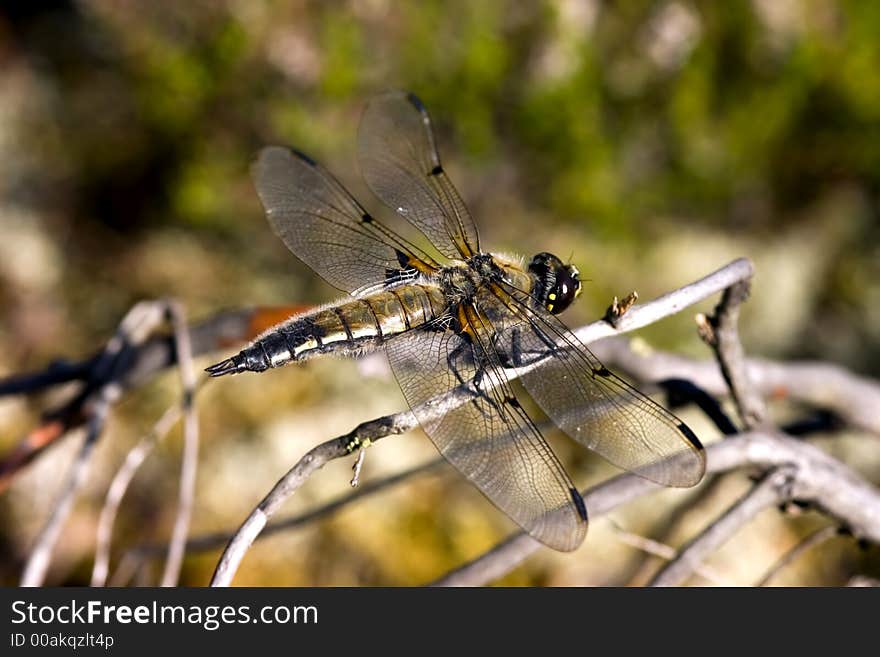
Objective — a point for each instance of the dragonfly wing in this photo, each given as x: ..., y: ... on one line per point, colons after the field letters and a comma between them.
x: 400, y: 163
x: 325, y: 227
x: 489, y: 439
x: 593, y: 405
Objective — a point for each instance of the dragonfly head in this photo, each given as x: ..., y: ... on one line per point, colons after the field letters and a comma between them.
x: 556, y: 284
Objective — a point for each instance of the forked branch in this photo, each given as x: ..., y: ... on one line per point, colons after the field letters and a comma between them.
x: 816, y: 477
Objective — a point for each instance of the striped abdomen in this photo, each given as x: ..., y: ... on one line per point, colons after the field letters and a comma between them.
x: 347, y: 328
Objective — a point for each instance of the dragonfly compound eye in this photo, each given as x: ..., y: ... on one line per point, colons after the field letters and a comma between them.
x: 556, y: 284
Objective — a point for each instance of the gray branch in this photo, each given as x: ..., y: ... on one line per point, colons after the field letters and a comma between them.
x: 816, y: 477
x: 118, y: 487
x: 853, y: 398
x: 189, y: 462
x: 772, y: 489
x: 134, y: 328
x: 314, y: 460
x: 817, y: 537
x: 721, y: 332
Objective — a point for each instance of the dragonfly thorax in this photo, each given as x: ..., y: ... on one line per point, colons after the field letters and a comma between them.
x: 460, y: 281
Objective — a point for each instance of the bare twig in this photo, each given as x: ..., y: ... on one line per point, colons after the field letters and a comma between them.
x: 218, y: 540
x: 38, y: 561
x: 314, y: 460
x: 720, y: 332
x: 133, y: 329
x: 358, y: 464
x: 822, y: 385
x: 863, y: 580
x: 128, y: 567
x: 190, y: 458
x: 645, y: 314
x: 772, y: 489
x: 812, y: 540
x: 819, y: 478
x: 134, y: 364
x: 133, y: 461
x: 662, y: 551
x: 680, y: 514
x: 643, y: 543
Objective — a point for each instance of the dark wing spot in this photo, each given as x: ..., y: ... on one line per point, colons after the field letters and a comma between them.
x: 690, y: 435
x: 602, y: 371
x: 437, y: 170
x: 304, y: 157
x: 513, y: 401
x: 367, y: 219
x: 402, y: 258
x: 578, y: 503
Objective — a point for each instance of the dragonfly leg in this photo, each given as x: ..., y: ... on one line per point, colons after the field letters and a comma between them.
x: 517, y: 356
x: 460, y: 355
x: 455, y: 355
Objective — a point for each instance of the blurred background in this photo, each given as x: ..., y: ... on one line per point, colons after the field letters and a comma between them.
x: 652, y: 142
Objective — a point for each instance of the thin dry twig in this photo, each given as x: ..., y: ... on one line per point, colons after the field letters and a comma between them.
x: 720, y: 331
x: 118, y: 487
x: 359, y: 464
x: 817, y: 477
x: 662, y: 551
x: 133, y: 365
x: 645, y: 314
x: 773, y: 488
x: 128, y: 567
x: 822, y: 385
x: 217, y: 540
x: 636, y: 317
x: 189, y: 462
x: 314, y: 460
x: 133, y: 329
x: 810, y: 541
x: 37, y: 565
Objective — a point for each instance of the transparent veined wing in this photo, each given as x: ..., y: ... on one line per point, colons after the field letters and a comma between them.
x: 591, y: 404
x: 490, y: 439
x: 399, y: 161
x: 325, y: 227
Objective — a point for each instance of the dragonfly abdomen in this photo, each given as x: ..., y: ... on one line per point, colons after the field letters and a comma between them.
x: 349, y: 328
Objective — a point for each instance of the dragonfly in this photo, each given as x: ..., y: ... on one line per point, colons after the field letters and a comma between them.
x: 451, y: 317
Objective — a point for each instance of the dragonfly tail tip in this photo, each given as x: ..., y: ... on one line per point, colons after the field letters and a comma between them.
x: 228, y: 366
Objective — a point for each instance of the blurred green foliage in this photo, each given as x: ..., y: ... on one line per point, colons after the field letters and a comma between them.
x: 653, y: 140
x: 621, y: 122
